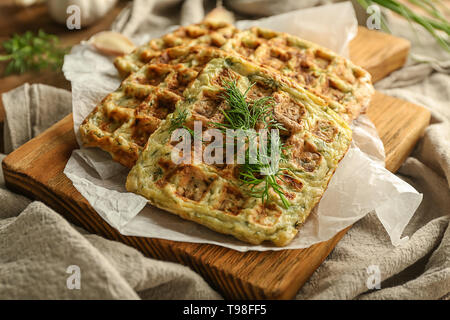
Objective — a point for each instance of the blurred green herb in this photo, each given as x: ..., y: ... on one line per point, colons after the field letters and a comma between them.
x: 33, y: 52
x: 437, y: 25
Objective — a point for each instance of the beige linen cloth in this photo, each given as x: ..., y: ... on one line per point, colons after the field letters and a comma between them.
x: 37, y: 245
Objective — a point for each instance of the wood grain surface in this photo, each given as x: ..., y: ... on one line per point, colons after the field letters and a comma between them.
x: 399, y: 124
x: 36, y: 170
x: 370, y: 47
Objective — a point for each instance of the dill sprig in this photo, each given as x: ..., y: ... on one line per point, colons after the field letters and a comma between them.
x: 32, y: 52
x: 250, y: 175
x: 434, y: 25
x: 243, y: 114
x: 240, y: 115
x: 178, y: 121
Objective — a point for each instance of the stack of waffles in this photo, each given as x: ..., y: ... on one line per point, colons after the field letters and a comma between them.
x: 182, y: 78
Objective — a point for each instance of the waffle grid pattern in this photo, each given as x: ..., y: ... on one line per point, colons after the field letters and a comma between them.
x: 213, y: 195
x: 122, y: 123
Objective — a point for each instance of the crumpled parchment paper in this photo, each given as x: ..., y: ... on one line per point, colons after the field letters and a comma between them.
x: 360, y: 185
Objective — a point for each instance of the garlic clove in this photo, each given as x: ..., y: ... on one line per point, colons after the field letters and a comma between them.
x: 219, y: 14
x: 112, y: 43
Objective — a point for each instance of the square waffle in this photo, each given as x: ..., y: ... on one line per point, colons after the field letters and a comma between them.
x: 122, y: 123
x: 213, y: 195
x: 346, y: 87
x: 207, y: 33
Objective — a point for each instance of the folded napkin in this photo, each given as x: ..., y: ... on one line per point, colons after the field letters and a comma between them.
x: 30, y: 109
x: 37, y: 245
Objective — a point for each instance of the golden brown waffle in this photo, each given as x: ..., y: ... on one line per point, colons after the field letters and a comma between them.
x: 207, y: 33
x: 346, y: 87
x: 212, y: 194
x: 122, y: 123
x: 315, y: 92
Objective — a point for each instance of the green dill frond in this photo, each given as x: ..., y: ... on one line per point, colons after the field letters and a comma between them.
x: 178, y: 121
x: 436, y: 24
x: 244, y: 114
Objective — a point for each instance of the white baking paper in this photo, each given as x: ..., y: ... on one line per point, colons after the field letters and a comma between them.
x: 360, y: 185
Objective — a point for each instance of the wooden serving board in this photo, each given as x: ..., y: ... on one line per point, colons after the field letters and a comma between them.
x: 36, y: 170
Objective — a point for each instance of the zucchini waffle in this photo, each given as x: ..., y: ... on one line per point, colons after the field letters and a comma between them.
x: 213, y: 195
x: 346, y: 87
x: 207, y: 33
x: 123, y: 121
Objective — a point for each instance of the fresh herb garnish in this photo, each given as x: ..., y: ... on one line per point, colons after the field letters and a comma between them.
x: 435, y: 23
x: 244, y: 114
x: 240, y: 115
x: 178, y: 121
x: 32, y: 52
x: 250, y: 175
